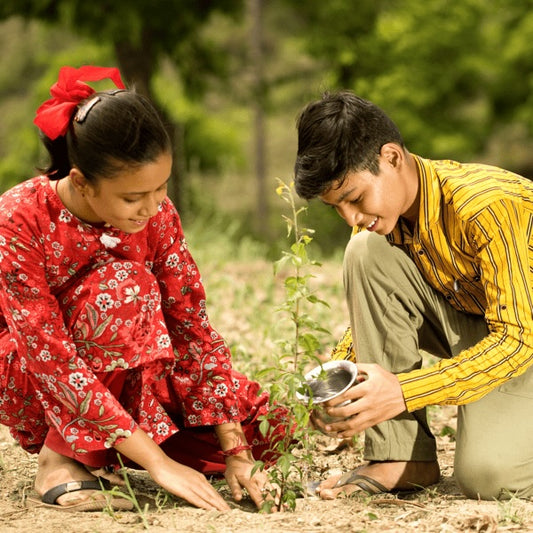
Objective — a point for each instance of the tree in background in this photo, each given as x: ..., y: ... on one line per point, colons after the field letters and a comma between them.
x: 456, y: 76
x: 142, y: 34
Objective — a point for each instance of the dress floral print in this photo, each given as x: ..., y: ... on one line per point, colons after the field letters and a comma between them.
x: 102, y: 331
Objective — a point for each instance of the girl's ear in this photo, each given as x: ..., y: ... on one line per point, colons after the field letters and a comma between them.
x: 78, y: 180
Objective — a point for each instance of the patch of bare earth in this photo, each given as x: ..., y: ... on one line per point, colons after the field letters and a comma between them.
x: 242, y: 296
x: 440, y: 508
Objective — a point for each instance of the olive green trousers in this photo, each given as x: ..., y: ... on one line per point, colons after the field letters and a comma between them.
x: 397, y: 318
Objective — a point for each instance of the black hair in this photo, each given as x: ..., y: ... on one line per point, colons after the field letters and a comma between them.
x: 338, y: 134
x: 108, y: 131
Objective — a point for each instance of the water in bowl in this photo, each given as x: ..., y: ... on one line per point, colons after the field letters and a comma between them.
x: 328, y: 383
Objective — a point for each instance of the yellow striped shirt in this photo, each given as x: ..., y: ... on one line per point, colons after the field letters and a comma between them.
x: 473, y: 243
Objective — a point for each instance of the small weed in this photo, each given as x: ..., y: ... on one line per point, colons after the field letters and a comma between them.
x: 162, y: 499
x: 130, y: 496
x: 511, y: 511
x: 448, y: 431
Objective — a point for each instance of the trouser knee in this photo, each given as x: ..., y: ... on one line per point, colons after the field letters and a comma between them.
x: 474, y: 479
x: 483, y: 478
x: 365, y: 249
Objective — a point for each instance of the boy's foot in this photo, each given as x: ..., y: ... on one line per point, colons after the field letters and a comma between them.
x: 382, y: 476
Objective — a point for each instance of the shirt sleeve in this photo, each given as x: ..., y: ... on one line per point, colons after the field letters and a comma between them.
x: 344, y: 348
x: 500, y: 235
x: 75, y: 402
x: 206, y: 388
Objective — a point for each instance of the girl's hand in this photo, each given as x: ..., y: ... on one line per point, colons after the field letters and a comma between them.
x: 188, y: 484
x: 239, y: 475
x: 178, y: 479
x: 239, y: 467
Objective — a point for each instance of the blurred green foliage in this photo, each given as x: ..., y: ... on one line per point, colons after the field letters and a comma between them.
x: 32, y: 54
x: 457, y: 78
x: 452, y: 75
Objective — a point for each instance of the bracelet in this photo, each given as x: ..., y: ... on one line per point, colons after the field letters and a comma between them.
x: 236, y: 450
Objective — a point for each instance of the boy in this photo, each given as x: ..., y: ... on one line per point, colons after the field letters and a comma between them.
x: 441, y: 260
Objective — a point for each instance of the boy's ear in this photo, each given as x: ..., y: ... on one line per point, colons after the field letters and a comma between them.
x: 392, y: 154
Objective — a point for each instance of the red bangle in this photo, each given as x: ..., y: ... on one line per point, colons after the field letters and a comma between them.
x: 236, y: 450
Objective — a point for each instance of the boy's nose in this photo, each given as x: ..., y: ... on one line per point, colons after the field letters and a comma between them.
x: 350, y: 215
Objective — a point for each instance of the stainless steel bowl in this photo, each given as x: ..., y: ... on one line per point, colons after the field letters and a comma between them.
x: 326, y: 382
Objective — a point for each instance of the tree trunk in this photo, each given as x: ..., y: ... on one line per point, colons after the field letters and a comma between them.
x: 259, y: 96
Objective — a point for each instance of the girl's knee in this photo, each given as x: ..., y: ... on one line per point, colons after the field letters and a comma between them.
x: 123, y: 282
x: 123, y: 271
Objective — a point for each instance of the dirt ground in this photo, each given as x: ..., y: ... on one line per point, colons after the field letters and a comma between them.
x: 240, y: 313
x: 440, y: 508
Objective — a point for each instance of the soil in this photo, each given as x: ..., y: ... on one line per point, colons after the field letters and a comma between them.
x: 242, y: 296
x: 440, y: 508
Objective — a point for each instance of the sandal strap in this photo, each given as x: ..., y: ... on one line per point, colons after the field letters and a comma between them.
x: 366, y: 483
x: 51, y: 496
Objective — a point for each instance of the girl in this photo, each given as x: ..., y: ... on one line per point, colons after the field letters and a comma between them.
x: 105, y: 344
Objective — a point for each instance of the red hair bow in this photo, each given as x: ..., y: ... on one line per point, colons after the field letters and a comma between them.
x: 53, y: 117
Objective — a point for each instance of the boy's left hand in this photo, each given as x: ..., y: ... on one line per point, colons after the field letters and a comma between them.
x: 374, y: 400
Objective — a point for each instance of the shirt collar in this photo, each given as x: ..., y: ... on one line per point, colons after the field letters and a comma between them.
x: 430, y: 199
x: 430, y: 193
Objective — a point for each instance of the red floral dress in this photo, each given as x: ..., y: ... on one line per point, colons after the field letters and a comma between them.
x: 103, y: 331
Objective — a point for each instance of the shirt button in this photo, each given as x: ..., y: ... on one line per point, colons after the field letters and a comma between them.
x: 420, y: 252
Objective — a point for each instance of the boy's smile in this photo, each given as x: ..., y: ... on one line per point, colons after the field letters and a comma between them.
x: 375, y: 202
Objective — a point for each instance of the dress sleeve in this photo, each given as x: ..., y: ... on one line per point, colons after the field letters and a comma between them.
x: 75, y: 402
x: 203, y: 377
x: 500, y: 235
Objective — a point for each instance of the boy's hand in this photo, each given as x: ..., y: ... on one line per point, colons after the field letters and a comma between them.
x: 374, y: 400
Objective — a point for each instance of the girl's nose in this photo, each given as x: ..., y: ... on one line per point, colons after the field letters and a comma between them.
x: 149, y: 207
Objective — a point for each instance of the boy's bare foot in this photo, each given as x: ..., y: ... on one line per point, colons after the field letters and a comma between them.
x: 55, y: 469
x: 392, y: 475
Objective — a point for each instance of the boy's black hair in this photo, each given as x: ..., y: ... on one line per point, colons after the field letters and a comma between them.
x: 337, y: 134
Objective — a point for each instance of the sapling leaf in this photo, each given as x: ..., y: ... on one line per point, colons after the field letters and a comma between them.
x: 294, y: 355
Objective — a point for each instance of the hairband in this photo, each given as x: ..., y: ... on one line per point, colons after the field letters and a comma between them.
x: 83, y: 111
x: 54, y: 116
